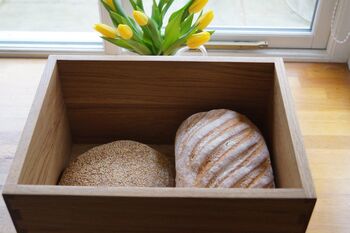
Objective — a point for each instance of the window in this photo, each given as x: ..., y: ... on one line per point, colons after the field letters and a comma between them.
x: 283, y: 23
x: 257, y: 14
x: 65, y: 24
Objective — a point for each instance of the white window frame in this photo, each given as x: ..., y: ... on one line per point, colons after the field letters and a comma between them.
x: 314, y: 45
x: 26, y: 43
x: 290, y: 39
x: 287, y: 39
x: 333, y: 52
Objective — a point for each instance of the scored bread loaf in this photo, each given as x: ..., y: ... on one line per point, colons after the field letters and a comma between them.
x: 221, y: 149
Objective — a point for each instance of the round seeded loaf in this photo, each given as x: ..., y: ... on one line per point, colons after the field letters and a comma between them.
x: 221, y: 149
x: 120, y: 163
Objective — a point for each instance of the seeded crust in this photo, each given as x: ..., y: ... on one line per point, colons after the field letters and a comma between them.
x: 221, y: 149
x: 120, y: 163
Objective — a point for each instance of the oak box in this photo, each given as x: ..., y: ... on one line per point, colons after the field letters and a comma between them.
x: 84, y: 101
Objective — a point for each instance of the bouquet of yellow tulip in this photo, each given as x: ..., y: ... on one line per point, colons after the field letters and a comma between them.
x: 145, y: 35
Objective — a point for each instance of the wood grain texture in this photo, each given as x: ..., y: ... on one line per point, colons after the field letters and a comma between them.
x: 50, y: 143
x: 45, y: 143
x: 127, y: 99
x: 322, y: 98
x: 127, y: 214
x: 104, y: 104
x: 295, y: 144
x: 321, y: 93
x: 125, y: 96
x: 285, y: 174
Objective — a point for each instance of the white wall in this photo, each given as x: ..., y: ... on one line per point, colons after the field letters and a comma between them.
x: 340, y: 51
x: 349, y: 63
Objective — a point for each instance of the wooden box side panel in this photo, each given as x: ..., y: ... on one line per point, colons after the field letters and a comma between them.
x: 66, y: 214
x: 148, y: 100
x: 289, y: 156
x: 285, y: 164
x: 50, y: 144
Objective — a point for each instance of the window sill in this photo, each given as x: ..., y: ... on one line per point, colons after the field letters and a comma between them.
x: 292, y: 55
x: 42, y: 44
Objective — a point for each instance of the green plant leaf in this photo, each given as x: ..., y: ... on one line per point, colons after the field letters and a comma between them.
x: 186, y: 13
x: 133, y: 24
x: 184, y: 10
x: 131, y: 45
x: 154, y: 33
x: 118, y: 42
x: 147, y: 40
x: 186, y: 25
x: 182, y: 40
x: 133, y: 4
x: 166, y: 7
x: 110, y: 11
x: 118, y: 18
x: 108, y: 8
x: 174, y: 14
x: 139, y: 48
x: 156, y: 15
x: 161, y: 4
x: 211, y: 32
x: 119, y: 8
x: 173, y: 29
x: 140, y: 4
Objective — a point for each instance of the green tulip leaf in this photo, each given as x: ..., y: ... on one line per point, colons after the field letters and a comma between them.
x: 182, y: 40
x: 138, y: 47
x: 166, y: 7
x: 161, y: 4
x: 140, y: 4
x: 118, y: 18
x: 133, y: 4
x: 154, y: 33
x: 108, y: 8
x: 186, y: 13
x: 186, y: 25
x: 211, y: 32
x: 173, y: 29
x: 130, y: 45
x: 119, y: 8
x: 119, y: 42
x: 156, y: 15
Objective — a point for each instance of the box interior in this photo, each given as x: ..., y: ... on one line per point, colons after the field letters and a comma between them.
x: 87, y: 103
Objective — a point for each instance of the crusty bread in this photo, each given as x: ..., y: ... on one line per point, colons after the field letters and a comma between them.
x: 221, y: 149
x: 120, y: 163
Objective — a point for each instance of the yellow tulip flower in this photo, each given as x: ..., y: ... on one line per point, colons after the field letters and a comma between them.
x: 205, y: 20
x: 106, y: 30
x: 140, y: 18
x: 198, y: 39
x: 110, y: 3
x: 125, y: 31
x: 197, y: 6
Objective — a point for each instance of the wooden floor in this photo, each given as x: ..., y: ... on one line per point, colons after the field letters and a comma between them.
x: 322, y: 98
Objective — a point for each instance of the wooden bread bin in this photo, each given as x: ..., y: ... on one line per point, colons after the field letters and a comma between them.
x: 88, y: 100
